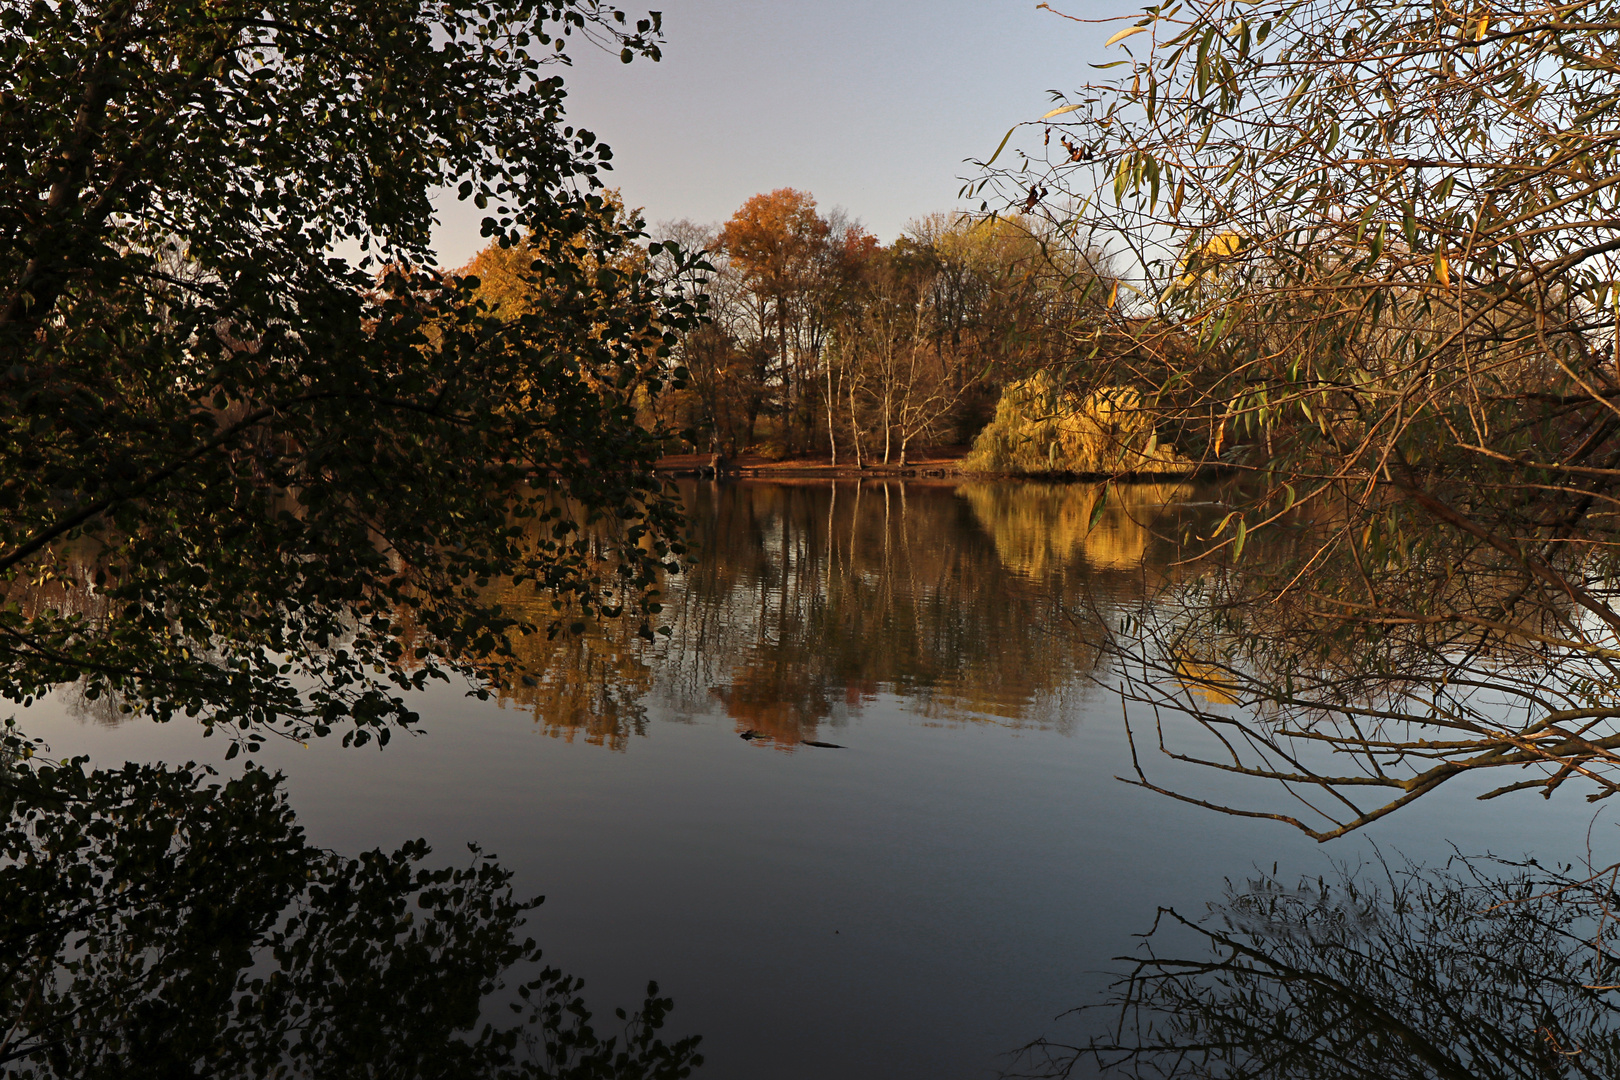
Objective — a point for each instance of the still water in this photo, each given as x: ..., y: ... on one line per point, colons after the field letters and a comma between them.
x: 936, y: 885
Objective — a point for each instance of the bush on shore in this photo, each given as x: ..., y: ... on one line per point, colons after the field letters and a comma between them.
x: 1042, y: 426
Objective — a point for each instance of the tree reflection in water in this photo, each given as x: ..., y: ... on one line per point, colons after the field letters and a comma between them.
x: 1479, y: 969
x: 167, y: 922
x: 809, y: 600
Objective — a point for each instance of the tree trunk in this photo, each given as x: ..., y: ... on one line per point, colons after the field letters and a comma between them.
x: 888, y: 429
x: 855, y: 426
x: 832, y: 403
x: 787, y: 373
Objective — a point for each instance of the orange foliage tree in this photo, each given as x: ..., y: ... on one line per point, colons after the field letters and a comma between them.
x: 777, y: 243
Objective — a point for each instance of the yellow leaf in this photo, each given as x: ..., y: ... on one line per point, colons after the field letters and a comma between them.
x: 1059, y: 111
x: 1113, y: 294
x: 1442, y: 270
x: 1123, y: 34
x: 1484, y: 25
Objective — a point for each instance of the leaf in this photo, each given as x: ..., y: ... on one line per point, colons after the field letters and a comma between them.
x: 1097, y: 510
x: 1002, y: 147
x: 1123, y: 34
x: 1059, y: 111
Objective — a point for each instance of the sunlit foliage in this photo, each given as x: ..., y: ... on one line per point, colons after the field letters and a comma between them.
x: 1041, y: 426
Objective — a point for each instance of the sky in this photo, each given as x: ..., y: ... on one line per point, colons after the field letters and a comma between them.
x: 871, y: 107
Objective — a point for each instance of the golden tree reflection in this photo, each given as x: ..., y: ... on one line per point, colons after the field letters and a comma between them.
x: 586, y: 685
x: 1037, y: 527
x: 810, y: 602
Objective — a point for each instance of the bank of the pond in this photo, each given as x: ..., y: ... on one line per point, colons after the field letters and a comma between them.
x: 933, y: 462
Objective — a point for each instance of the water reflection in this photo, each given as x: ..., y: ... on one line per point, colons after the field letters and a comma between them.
x: 1480, y: 968
x: 165, y: 922
x: 970, y: 601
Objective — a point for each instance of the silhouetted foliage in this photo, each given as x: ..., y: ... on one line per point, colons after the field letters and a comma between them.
x: 247, y: 465
x: 248, y: 482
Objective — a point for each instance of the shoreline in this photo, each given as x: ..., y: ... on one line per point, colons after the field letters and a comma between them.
x: 942, y: 464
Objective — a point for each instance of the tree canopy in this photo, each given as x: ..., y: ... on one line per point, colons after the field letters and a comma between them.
x: 238, y: 472
x: 821, y: 337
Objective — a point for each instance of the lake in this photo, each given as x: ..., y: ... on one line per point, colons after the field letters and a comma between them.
x: 954, y: 870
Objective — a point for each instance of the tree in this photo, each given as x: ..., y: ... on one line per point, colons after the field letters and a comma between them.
x: 725, y: 369
x: 845, y: 259
x: 1374, y: 275
x: 1009, y: 290
x: 245, y: 481
x: 956, y: 306
x: 776, y: 241
x: 245, y: 465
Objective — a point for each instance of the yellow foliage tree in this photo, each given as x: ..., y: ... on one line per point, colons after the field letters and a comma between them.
x: 1041, y: 426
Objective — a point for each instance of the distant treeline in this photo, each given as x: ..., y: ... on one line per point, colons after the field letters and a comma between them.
x: 820, y: 338
x: 824, y: 339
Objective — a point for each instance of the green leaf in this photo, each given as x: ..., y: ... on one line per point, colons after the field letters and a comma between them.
x: 1002, y: 146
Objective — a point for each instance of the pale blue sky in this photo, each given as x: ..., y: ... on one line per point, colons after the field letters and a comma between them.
x: 871, y: 106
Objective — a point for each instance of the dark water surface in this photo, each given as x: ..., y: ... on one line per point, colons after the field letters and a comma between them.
x: 913, y: 904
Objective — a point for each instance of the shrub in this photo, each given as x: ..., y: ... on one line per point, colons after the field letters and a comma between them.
x: 1041, y: 426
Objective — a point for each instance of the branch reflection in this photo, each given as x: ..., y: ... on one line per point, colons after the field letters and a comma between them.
x: 1480, y: 968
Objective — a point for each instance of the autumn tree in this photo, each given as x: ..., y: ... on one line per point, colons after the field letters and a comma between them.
x: 953, y: 311
x: 776, y: 241
x: 846, y: 262
x: 1010, y: 289
x: 727, y: 365
x: 889, y: 360
x: 810, y: 315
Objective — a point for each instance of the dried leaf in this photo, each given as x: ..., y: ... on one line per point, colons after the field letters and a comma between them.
x: 1123, y: 34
